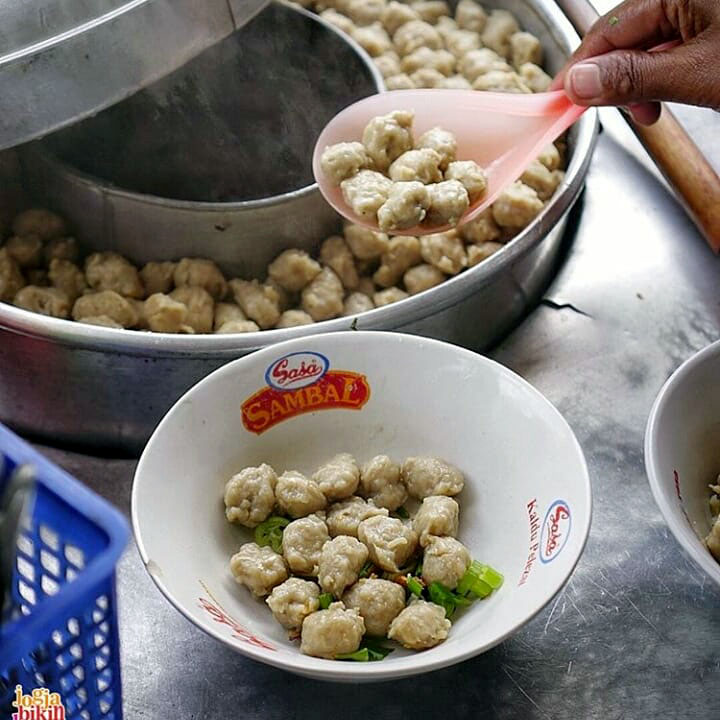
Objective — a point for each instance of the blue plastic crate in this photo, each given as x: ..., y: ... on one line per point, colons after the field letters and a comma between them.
x: 60, y: 631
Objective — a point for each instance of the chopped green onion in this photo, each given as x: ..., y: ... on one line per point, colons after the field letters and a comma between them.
x: 418, y: 569
x: 614, y: 20
x: 270, y: 532
x: 479, y: 580
x: 492, y: 577
x: 415, y: 586
x: 325, y: 600
x: 442, y: 596
x: 366, y: 568
x: 402, y: 512
x: 361, y: 655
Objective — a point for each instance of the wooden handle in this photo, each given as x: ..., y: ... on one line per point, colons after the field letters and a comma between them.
x: 678, y: 158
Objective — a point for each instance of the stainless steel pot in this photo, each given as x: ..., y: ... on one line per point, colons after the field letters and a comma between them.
x: 75, y: 383
x: 215, y: 159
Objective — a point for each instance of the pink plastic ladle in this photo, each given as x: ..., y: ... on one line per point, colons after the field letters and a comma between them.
x: 501, y: 132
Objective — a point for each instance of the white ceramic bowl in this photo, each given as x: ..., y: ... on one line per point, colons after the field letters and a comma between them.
x: 525, y: 509
x: 682, y: 452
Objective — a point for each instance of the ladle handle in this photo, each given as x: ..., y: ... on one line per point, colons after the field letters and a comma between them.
x: 678, y: 158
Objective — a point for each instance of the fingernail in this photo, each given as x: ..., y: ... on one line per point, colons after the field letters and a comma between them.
x: 585, y: 80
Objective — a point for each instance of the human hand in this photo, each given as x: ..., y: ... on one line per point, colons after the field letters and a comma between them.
x: 613, y: 65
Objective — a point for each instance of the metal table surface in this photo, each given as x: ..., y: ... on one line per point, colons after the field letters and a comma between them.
x: 634, y: 634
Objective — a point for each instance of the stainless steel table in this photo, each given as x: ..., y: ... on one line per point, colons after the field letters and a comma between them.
x: 636, y: 632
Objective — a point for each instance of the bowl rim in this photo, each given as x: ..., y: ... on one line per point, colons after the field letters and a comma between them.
x: 685, y: 535
x: 338, y: 671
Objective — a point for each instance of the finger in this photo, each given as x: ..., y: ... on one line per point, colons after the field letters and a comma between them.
x: 625, y: 77
x: 645, y: 113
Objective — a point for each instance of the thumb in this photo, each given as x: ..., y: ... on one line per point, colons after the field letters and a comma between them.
x: 626, y: 77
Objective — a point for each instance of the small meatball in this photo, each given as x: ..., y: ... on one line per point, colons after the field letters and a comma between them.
x: 341, y: 560
x: 340, y: 21
x: 110, y: 271
x: 292, y: 601
x: 227, y: 312
x: 416, y: 34
x: 501, y: 81
x: 260, y: 303
x: 469, y: 15
x: 25, y: 251
x: 38, y: 276
x: 427, y: 78
x: 405, y: 207
x: 516, y: 207
x: 11, y: 279
x: 336, y: 254
x: 438, y: 516
x: 461, y: 42
x: 480, y: 62
x: 389, y: 296
x: 440, y: 60
x: 403, y: 253
x: 425, y: 476
x: 482, y: 229
x: 344, y: 517
x: 298, y: 495
x: 417, y: 165
x: 302, y: 543
x: 342, y: 161
x: 260, y: 569
x: 65, y: 248
x: 395, y: 15
x: 456, y: 82
x: 388, y: 64
x: 366, y: 286
x: 43, y: 300
x: 293, y: 269
x: 389, y: 540
x: 478, y: 253
x: 379, y: 602
x: 442, y: 142
x: 430, y: 11
x: 356, y: 303
x: 448, y: 202
x: 322, y: 299
x: 250, y: 495
x: 420, y: 625
x: 286, y: 299
x: 163, y: 314
x: 68, y: 277
x: 399, y: 82
x: 37, y: 221
x: 712, y: 540
x: 366, y: 12
x: 421, y: 278
x: 364, y: 243
x: 200, y: 306
x: 157, y: 277
x: 332, y: 632
x: 470, y: 175
x: 550, y: 157
x: 294, y: 318
x: 373, y: 39
x: 387, y: 137
x: 198, y: 272
x: 499, y: 28
x: 339, y: 477
x: 237, y: 326
x: 525, y: 48
x: 366, y: 192
x: 535, y: 77
x: 108, y: 303
x: 445, y: 560
x: 540, y: 179
x: 102, y: 321
x: 139, y: 306
x: 445, y: 27
x: 380, y: 482
x: 445, y: 251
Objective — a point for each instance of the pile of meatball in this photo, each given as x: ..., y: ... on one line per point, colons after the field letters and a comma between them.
x: 400, y: 183
x: 343, y: 541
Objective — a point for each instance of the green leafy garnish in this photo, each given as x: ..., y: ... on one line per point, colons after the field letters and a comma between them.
x: 614, y: 20
x: 325, y: 600
x: 270, y: 532
x: 444, y: 597
x: 402, y: 513
x: 479, y: 580
x: 370, y: 650
x: 366, y: 568
x: 415, y: 586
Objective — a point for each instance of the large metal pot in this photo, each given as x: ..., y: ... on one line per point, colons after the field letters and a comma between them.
x: 75, y: 383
